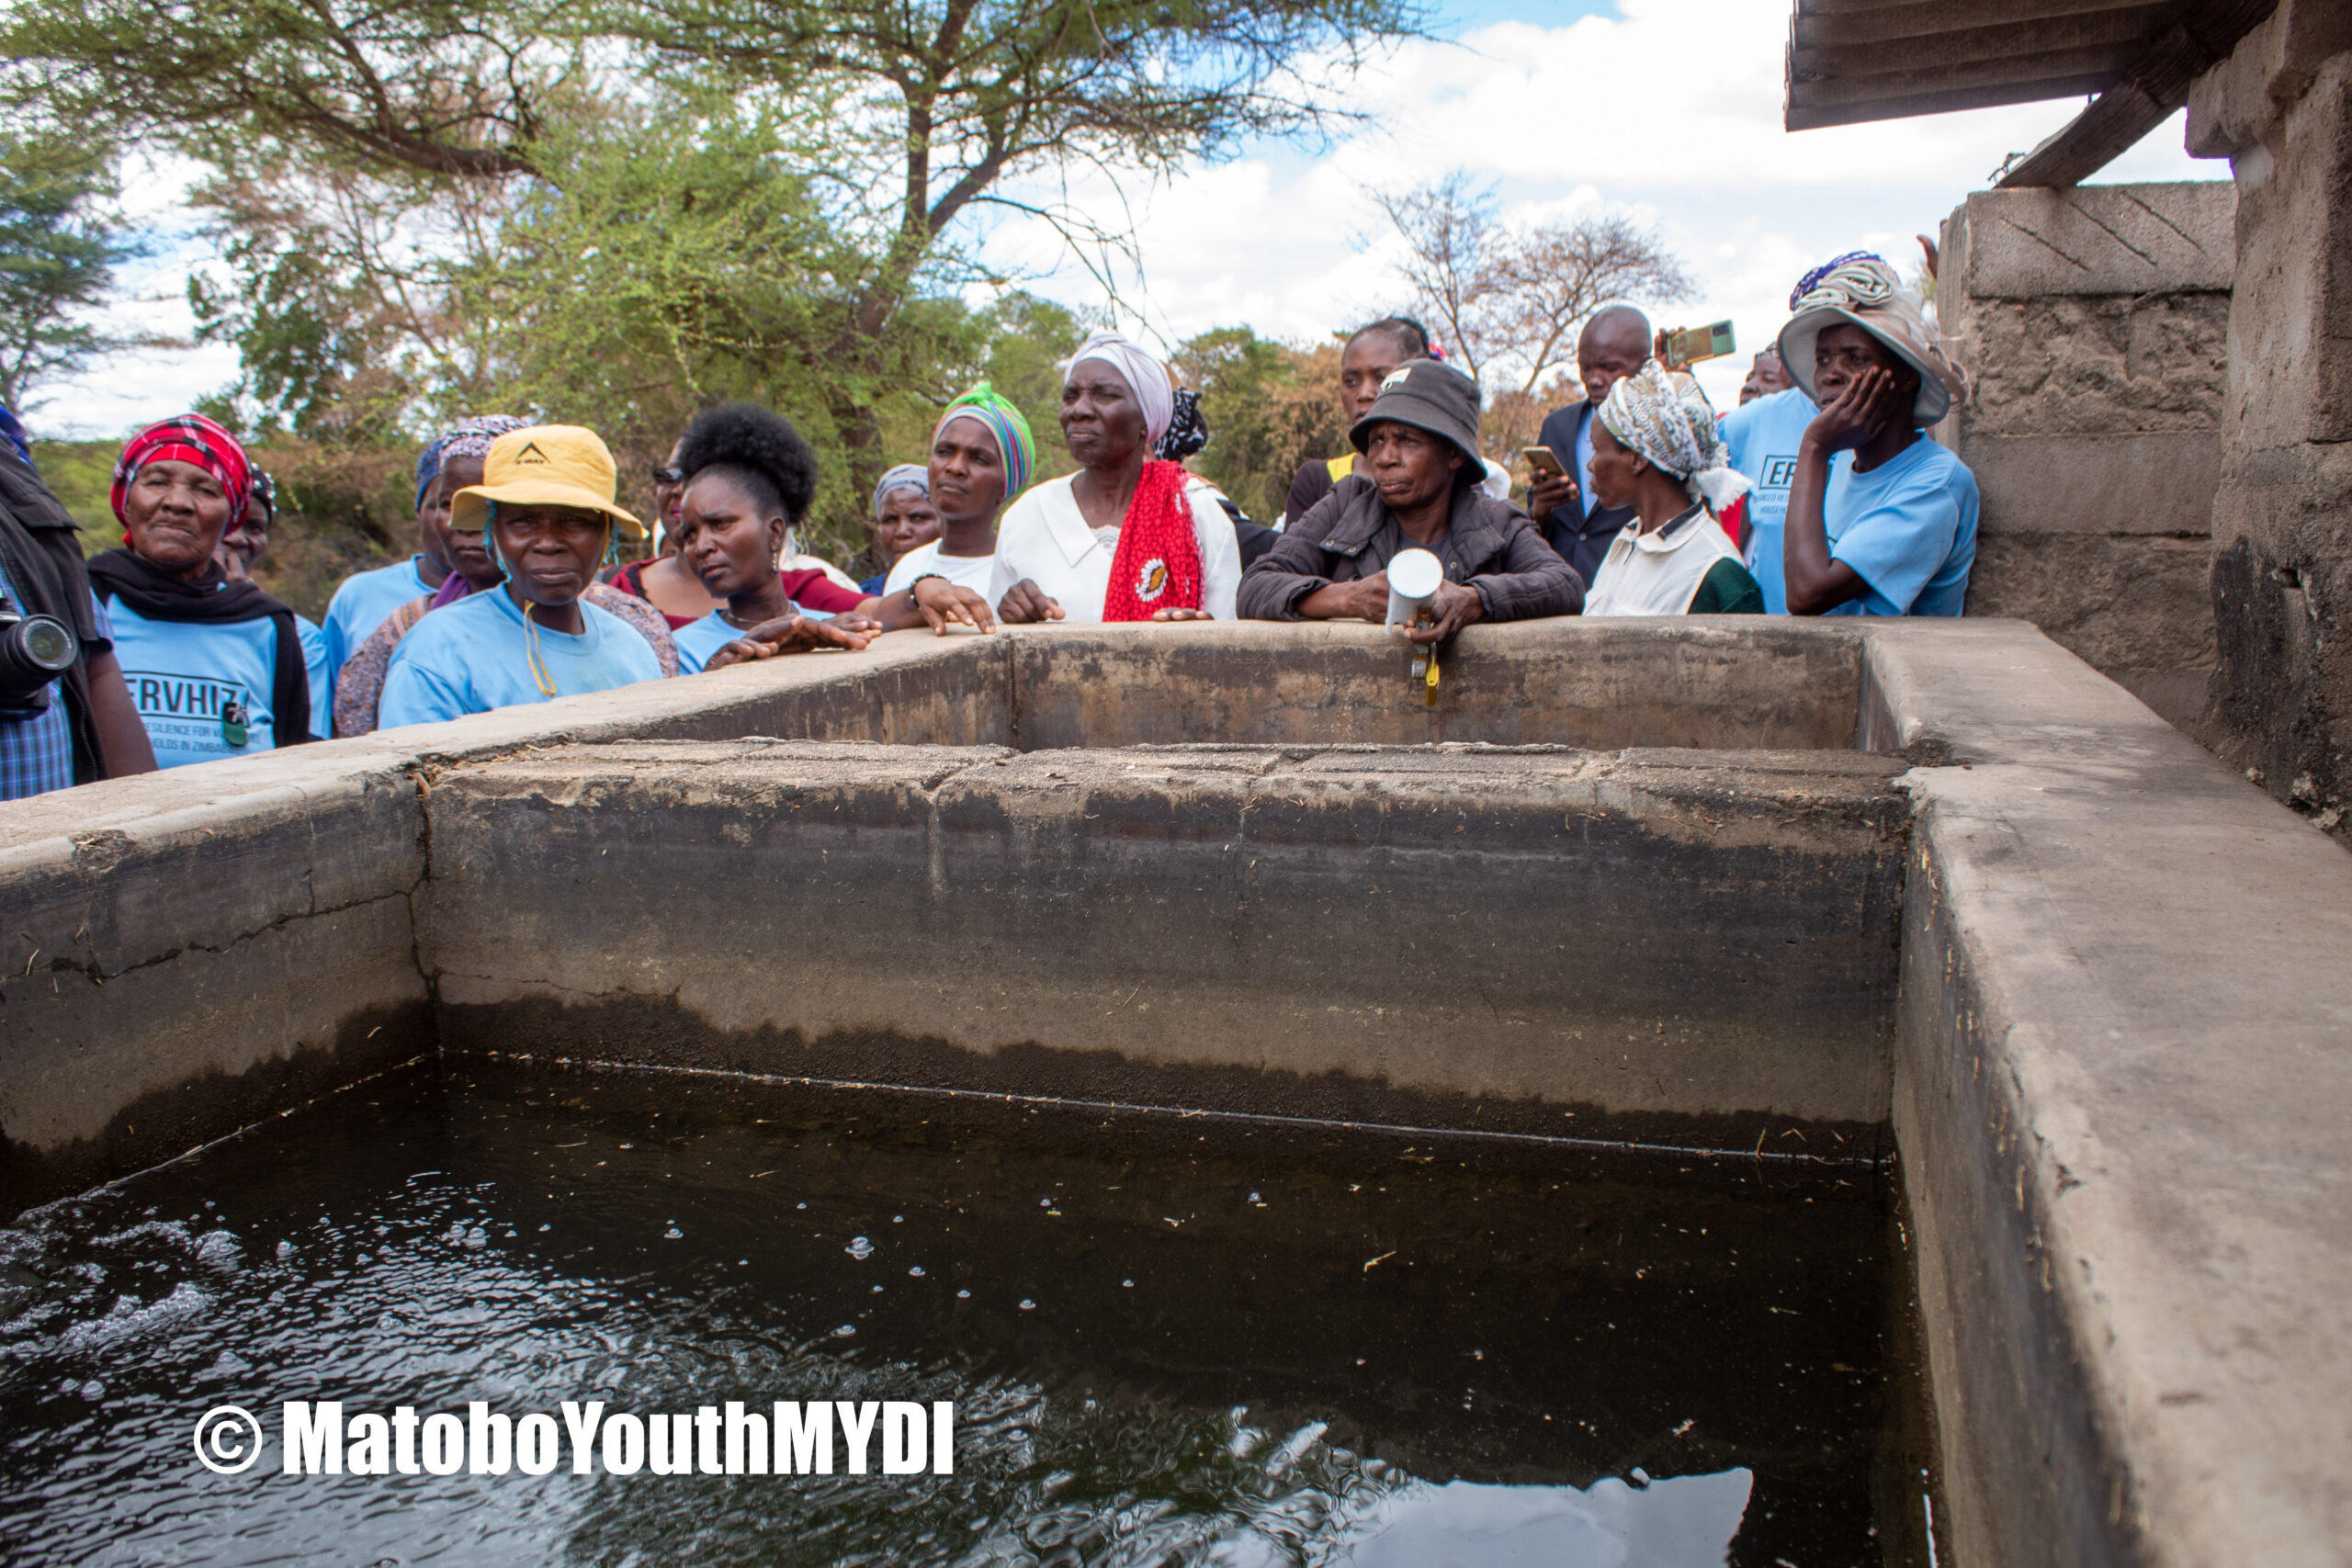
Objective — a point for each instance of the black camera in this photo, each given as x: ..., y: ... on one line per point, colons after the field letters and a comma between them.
x: 34, y: 652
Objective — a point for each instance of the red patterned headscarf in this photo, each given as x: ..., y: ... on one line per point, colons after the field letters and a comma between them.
x: 189, y: 438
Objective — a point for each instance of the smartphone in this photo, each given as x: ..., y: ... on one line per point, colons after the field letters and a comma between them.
x: 1688, y: 345
x: 1544, y: 460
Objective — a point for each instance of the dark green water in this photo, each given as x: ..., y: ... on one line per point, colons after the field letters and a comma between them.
x: 1168, y: 1341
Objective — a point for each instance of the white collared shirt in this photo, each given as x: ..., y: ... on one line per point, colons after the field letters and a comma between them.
x: 1044, y: 539
x: 1660, y: 573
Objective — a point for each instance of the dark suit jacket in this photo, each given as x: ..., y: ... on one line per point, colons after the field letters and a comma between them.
x: 1579, y: 530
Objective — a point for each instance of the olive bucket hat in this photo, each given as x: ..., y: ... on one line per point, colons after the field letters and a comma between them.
x: 1431, y: 395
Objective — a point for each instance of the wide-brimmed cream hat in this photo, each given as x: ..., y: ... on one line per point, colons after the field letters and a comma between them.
x: 1864, y: 290
x: 543, y: 465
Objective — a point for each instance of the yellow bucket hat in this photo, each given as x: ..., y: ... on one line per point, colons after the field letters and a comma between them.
x: 543, y: 465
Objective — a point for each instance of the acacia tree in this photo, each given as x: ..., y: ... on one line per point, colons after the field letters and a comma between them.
x: 59, y: 248
x: 1499, y: 293
x: 920, y: 112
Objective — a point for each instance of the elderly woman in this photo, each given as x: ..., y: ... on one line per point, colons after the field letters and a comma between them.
x: 981, y: 453
x: 1656, y: 448
x: 458, y: 456
x: 751, y: 481
x: 1130, y: 536
x: 216, y: 668
x: 1417, y: 487
x: 546, y: 508
x: 904, y: 518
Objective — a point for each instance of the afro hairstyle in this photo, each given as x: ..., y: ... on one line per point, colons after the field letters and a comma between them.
x: 759, y: 449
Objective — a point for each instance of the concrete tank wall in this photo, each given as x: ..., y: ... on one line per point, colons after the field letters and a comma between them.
x: 1690, y: 947
x: 2120, y: 1062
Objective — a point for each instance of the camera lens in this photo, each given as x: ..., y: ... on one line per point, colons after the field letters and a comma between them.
x: 48, y: 644
x: 34, y: 650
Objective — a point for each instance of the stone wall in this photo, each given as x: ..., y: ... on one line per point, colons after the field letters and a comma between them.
x: 2280, y: 705
x: 2094, y: 323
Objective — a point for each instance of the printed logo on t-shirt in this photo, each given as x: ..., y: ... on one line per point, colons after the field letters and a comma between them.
x: 160, y: 696
x: 1779, y: 473
x: 191, y: 713
x: 1152, y: 580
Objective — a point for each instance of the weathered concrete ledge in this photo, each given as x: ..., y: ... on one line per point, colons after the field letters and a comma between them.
x: 2123, y: 1097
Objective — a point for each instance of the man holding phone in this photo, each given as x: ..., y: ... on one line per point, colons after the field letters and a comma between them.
x: 1616, y: 343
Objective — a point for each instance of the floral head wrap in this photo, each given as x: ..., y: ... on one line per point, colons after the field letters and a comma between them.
x: 906, y: 476
x: 1861, y: 288
x: 1014, y: 445
x: 189, y: 438
x: 1146, y: 377
x: 469, y: 439
x: 1665, y: 416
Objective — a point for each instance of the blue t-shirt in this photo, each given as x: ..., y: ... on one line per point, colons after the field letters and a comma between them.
x: 361, y: 604
x: 321, y: 672
x: 1908, y: 528
x: 37, y: 750
x: 182, y: 675
x: 474, y: 655
x: 1763, y: 437
x: 697, y: 642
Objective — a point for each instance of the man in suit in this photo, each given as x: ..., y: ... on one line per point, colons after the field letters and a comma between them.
x: 1615, y: 341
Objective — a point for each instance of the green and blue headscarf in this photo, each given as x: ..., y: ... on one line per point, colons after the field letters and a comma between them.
x: 1003, y: 420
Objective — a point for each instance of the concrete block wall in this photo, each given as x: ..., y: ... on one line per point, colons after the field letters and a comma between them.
x: 2280, y: 109
x: 2094, y: 323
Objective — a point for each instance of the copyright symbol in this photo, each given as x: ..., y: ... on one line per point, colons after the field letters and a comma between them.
x: 228, y: 1439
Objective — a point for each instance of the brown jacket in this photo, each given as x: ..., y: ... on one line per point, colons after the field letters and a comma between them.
x: 1489, y: 545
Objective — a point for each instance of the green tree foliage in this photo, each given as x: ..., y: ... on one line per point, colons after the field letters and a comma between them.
x: 1269, y: 407
x: 59, y: 248
x: 918, y: 114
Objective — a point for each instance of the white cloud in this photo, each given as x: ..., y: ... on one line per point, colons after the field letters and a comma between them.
x: 1671, y: 111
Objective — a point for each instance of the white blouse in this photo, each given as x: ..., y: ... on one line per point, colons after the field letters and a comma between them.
x: 1660, y: 573
x: 1043, y: 538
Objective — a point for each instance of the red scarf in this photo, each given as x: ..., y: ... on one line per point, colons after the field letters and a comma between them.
x: 1157, y: 563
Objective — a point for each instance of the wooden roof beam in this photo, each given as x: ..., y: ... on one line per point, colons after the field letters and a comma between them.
x: 2152, y: 87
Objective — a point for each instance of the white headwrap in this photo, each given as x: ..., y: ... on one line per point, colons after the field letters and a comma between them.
x: 1146, y: 377
x: 906, y: 476
x: 1665, y: 416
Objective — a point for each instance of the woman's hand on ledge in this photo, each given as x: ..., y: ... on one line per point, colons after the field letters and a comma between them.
x: 1182, y: 615
x: 1024, y: 601
x: 943, y: 604
x: 792, y: 634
